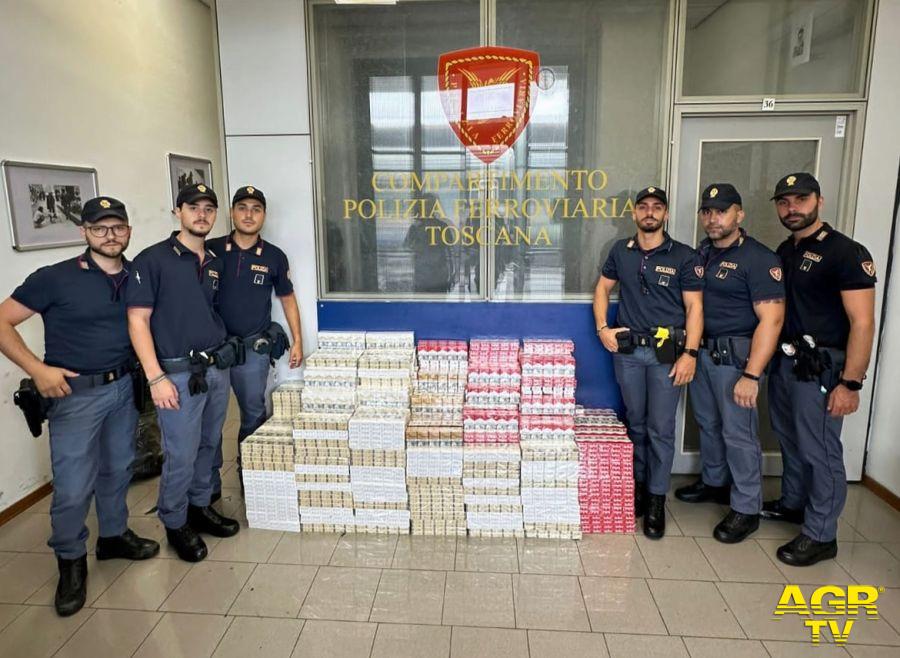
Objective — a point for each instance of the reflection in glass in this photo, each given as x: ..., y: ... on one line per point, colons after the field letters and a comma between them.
x: 594, y: 138
x: 752, y: 167
x: 391, y: 211
x: 773, y: 47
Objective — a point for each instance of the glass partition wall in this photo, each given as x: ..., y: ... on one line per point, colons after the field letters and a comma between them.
x: 405, y: 212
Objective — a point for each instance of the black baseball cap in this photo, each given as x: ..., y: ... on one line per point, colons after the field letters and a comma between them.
x: 656, y: 192
x: 193, y: 193
x: 249, y: 192
x: 798, y: 183
x: 720, y: 196
x: 101, y: 207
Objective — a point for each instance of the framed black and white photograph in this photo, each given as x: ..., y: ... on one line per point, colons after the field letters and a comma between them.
x: 44, y: 203
x: 185, y: 170
x: 801, y: 37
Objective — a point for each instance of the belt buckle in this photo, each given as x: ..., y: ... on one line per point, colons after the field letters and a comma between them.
x: 110, y: 376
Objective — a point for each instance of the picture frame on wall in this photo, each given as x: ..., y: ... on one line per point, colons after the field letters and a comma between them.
x: 187, y: 170
x: 44, y: 203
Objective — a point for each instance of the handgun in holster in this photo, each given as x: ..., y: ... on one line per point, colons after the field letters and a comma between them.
x: 809, y: 364
x: 33, y: 405
x: 199, y: 362
x: 278, y: 341
x: 668, y: 343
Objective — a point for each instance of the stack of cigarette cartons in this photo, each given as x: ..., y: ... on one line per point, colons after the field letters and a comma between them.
x: 286, y: 399
x: 378, y: 469
x: 548, y: 377
x: 322, y: 470
x: 434, y: 469
x: 606, y: 472
x: 491, y: 455
x: 434, y: 439
x: 550, y: 477
x: 549, y: 453
x: 443, y: 367
x: 270, y: 492
x: 330, y: 375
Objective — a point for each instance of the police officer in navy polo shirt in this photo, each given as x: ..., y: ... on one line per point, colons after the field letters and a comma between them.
x: 253, y: 268
x: 743, y: 310
x: 180, y: 340
x: 819, y: 370
x: 654, y: 343
x: 87, y: 376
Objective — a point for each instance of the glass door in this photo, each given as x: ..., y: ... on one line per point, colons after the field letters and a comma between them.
x: 752, y: 153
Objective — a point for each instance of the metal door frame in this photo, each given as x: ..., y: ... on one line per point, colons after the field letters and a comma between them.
x: 844, y: 218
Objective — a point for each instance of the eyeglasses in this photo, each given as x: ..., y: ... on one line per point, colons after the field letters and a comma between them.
x: 119, y: 230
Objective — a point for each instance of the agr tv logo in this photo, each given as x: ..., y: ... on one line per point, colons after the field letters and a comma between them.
x: 831, y: 604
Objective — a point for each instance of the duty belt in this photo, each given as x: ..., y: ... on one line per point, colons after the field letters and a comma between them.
x: 642, y: 340
x: 186, y: 363
x: 84, y: 382
x: 249, y: 341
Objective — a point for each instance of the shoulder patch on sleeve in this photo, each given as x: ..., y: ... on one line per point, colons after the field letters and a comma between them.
x: 868, y: 267
x: 775, y: 273
x: 698, y: 270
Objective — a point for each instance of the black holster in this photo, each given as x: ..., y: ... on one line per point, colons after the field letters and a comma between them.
x: 33, y: 405
x: 197, y: 381
x: 729, y: 350
x: 230, y: 353
x: 834, y: 360
x: 140, y: 387
x: 669, y: 349
x: 625, y: 341
x: 279, y: 341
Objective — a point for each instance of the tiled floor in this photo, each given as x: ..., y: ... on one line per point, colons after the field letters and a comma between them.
x: 283, y: 594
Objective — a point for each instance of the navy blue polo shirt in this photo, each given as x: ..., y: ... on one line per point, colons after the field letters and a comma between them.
x: 737, y: 277
x: 169, y: 278
x: 651, y: 283
x: 816, y: 270
x: 248, y: 279
x: 83, y: 308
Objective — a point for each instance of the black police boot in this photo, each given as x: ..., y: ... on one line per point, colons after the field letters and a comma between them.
x: 127, y: 545
x: 72, y: 587
x: 655, y: 516
x: 208, y: 520
x: 776, y: 510
x: 736, y: 527
x: 700, y: 492
x: 640, y: 499
x: 187, y: 543
x: 803, y: 551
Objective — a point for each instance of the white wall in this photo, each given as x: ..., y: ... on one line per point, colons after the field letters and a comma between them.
x: 110, y: 84
x: 262, y: 55
x: 878, y: 181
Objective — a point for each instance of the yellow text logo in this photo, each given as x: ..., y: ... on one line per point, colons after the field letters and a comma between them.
x: 830, y: 608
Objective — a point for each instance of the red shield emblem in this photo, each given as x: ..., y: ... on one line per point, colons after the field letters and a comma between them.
x: 869, y: 267
x: 487, y: 95
x: 775, y: 273
x: 698, y: 270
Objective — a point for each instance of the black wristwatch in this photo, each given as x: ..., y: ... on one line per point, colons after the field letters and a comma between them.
x: 691, y: 352
x: 750, y: 376
x: 850, y: 384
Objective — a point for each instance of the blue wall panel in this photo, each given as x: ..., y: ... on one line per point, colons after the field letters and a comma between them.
x: 594, y: 371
